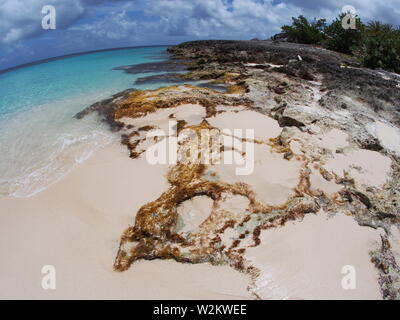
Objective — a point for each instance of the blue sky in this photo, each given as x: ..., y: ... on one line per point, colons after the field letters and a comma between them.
x: 84, y: 25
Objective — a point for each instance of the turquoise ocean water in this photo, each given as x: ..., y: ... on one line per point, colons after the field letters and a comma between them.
x: 40, y: 141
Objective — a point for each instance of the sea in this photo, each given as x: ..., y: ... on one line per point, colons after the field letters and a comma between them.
x: 40, y: 140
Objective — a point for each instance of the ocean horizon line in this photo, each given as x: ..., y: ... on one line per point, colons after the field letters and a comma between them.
x: 32, y: 63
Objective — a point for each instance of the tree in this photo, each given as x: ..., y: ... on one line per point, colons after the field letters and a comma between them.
x: 341, y: 39
x: 376, y: 45
x: 380, y: 47
x: 303, y: 31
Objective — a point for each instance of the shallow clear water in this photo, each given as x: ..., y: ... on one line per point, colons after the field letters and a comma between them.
x: 40, y: 141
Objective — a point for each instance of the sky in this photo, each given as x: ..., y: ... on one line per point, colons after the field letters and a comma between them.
x: 84, y: 25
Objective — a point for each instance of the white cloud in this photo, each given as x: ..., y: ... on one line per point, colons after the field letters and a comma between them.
x: 115, y: 26
x: 20, y: 19
x: 387, y: 11
x: 218, y: 18
x: 193, y: 19
x: 94, y: 24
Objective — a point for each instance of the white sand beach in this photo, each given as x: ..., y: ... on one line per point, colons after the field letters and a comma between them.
x: 305, y: 259
x: 75, y: 226
x: 318, y: 197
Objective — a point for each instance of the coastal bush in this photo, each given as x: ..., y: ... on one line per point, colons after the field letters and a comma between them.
x: 375, y: 45
x: 303, y: 31
x: 380, y: 47
x: 343, y: 40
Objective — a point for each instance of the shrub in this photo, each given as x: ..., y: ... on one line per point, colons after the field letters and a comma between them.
x: 303, y: 31
x: 376, y: 45
x: 380, y: 47
x: 343, y: 40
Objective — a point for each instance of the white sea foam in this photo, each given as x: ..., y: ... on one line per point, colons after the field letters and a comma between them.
x: 41, y: 146
x: 40, y: 140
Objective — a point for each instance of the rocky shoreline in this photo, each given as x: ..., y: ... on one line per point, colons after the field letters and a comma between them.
x: 328, y: 129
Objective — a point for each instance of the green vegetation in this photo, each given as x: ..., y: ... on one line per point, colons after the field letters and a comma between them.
x: 375, y: 45
x: 339, y: 39
x: 303, y: 31
x: 380, y: 47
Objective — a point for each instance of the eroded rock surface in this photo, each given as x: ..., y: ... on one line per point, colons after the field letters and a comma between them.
x: 326, y: 141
